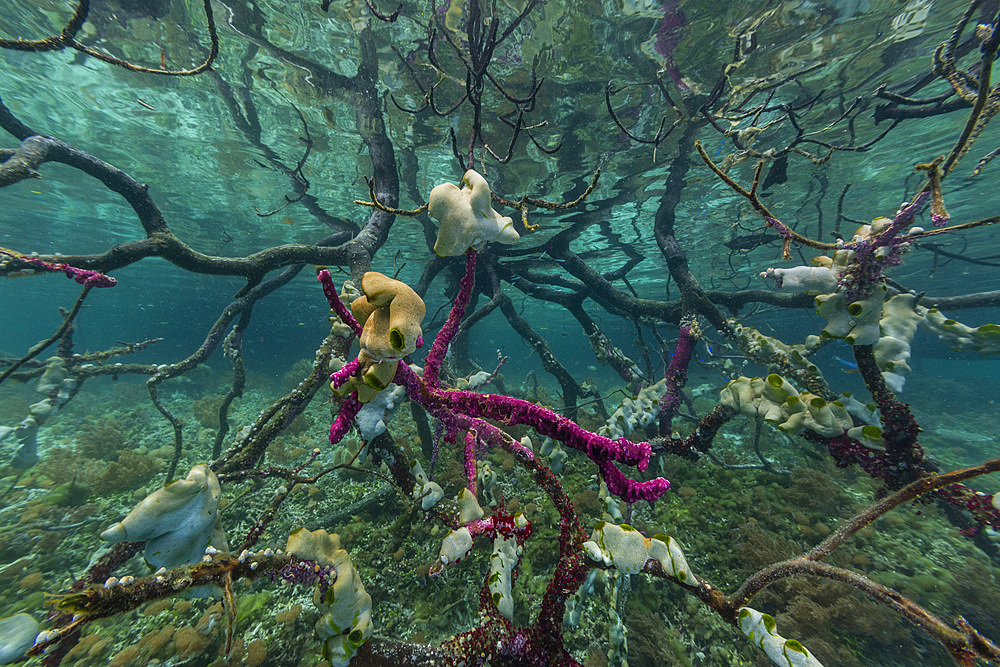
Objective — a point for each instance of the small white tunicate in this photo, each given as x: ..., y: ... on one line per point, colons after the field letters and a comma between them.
x: 46, y: 635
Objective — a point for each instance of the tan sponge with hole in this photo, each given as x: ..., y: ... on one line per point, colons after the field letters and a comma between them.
x: 391, y: 313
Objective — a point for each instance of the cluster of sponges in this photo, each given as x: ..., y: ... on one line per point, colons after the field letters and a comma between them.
x: 776, y: 400
x: 629, y: 550
x: 177, y: 521
x: 58, y: 386
x: 390, y: 313
x: 634, y: 412
x: 888, y: 324
x: 780, y: 357
x: 984, y: 339
x: 857, y: 320
x: 761, y: 630
x: 346, y: 623
x: 892, y: 334
x: 900, y: 318
x: 466, y: 217
x: 458, y: 543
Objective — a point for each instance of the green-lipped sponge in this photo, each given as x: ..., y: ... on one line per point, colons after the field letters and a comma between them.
x: 628, y: 550
x: 391, y: 313
x: 762, y: 631
x: 776, y: 401
x: 346, y: 623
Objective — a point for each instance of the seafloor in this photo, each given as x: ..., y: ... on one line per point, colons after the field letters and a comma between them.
x: 106, y: 452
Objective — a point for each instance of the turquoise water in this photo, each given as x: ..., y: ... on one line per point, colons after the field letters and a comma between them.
x: 193, y: 190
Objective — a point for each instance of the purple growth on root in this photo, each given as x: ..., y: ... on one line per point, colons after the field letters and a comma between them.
x: 336, y: 305
x: 342, y: 424
x: 86, y: 277
x: 448, y: 405
x: 434, y: 358
x: 676, y: 375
